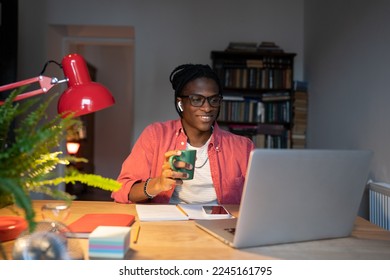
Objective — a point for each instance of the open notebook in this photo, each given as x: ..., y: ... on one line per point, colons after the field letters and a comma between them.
x: 172, y: 212
x: 296, y: 195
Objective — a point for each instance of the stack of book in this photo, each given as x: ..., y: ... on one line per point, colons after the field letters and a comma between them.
x: 240, y: 109
x: 269, y: 47
x: 300, y: 106
x: 242, y: 46
x: 264, y: 46
x: 263, y: 135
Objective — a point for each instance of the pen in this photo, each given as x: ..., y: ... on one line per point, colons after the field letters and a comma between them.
x: 137, y: 234
x: 181, y: 210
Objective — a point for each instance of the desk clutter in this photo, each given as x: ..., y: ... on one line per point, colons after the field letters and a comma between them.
x: 108, y: 234
x: 180, y: 240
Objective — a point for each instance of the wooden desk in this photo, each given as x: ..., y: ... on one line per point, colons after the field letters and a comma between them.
x: 184, y: 240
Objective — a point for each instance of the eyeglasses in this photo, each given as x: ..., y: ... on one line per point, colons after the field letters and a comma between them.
x: 198, y: 100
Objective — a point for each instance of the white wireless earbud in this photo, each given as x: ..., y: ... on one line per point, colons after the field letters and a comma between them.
x: 180, y: 106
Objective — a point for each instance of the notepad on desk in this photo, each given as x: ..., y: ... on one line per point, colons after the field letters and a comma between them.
x: 157, y: 212
x: 82, y: 227
x: 172, y: 212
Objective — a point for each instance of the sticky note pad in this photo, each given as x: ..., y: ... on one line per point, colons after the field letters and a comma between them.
x: 109, y: 242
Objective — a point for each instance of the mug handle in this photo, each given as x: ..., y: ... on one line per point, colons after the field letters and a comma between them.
x: 172, y: 159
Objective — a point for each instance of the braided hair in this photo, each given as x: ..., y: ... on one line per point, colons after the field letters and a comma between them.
x: 183, y: 74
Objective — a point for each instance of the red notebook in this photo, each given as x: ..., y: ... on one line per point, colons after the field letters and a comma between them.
x: 82, y: 227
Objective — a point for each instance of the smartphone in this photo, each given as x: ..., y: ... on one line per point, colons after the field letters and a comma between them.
x: 215, y: 210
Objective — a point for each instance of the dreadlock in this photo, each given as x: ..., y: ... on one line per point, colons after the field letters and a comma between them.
x: 186, y: 73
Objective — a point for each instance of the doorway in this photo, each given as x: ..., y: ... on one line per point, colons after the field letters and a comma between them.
x: 111, y: 52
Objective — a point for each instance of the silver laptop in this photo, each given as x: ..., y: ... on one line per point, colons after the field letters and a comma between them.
x: 296, y: 195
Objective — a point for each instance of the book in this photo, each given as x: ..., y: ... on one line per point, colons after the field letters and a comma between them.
x: 82, y: 227
x: 269, y: 47
x: 300, y: 86
x: 254, y: 63
x: 275, y: 96
x: 242, y: 46
x: 157, y: 212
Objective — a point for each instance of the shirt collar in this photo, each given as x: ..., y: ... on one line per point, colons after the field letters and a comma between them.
x: 215, y: 137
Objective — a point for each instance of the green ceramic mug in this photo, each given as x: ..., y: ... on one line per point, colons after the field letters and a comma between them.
x: 188, y: 156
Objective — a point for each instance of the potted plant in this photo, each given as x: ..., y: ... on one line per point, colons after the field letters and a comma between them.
x: 30, y: 155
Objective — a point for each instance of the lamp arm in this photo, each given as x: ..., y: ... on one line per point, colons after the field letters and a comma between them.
x: 45, y: 83
x: 81, y: 97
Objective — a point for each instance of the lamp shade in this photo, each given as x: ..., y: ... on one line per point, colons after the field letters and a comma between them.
x: 82, y: 96
x: 72, y: 147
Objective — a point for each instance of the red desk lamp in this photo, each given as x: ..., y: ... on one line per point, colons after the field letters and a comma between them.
x: 82, y: 95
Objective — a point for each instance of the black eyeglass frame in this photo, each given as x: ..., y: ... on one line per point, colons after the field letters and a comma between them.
x: 203, y: 99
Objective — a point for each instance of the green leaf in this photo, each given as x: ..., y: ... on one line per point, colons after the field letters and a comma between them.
x: 21, y: 199
x: 30, y: 154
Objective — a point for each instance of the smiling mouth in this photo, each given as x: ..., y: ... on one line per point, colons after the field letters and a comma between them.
x: 206, y: 118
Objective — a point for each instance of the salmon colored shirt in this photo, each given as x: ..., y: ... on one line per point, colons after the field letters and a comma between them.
x: 228, y: 155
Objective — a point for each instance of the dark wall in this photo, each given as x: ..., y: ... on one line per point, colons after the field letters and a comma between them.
x: 8, y: 42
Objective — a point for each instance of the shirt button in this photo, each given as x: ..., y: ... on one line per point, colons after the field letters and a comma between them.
x: 182, y: 143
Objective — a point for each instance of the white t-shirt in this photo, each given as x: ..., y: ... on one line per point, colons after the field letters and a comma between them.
x: 199, y: 190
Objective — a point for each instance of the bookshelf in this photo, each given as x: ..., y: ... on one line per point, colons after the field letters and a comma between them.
x: 258, y: 94
x: 300, y: 107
